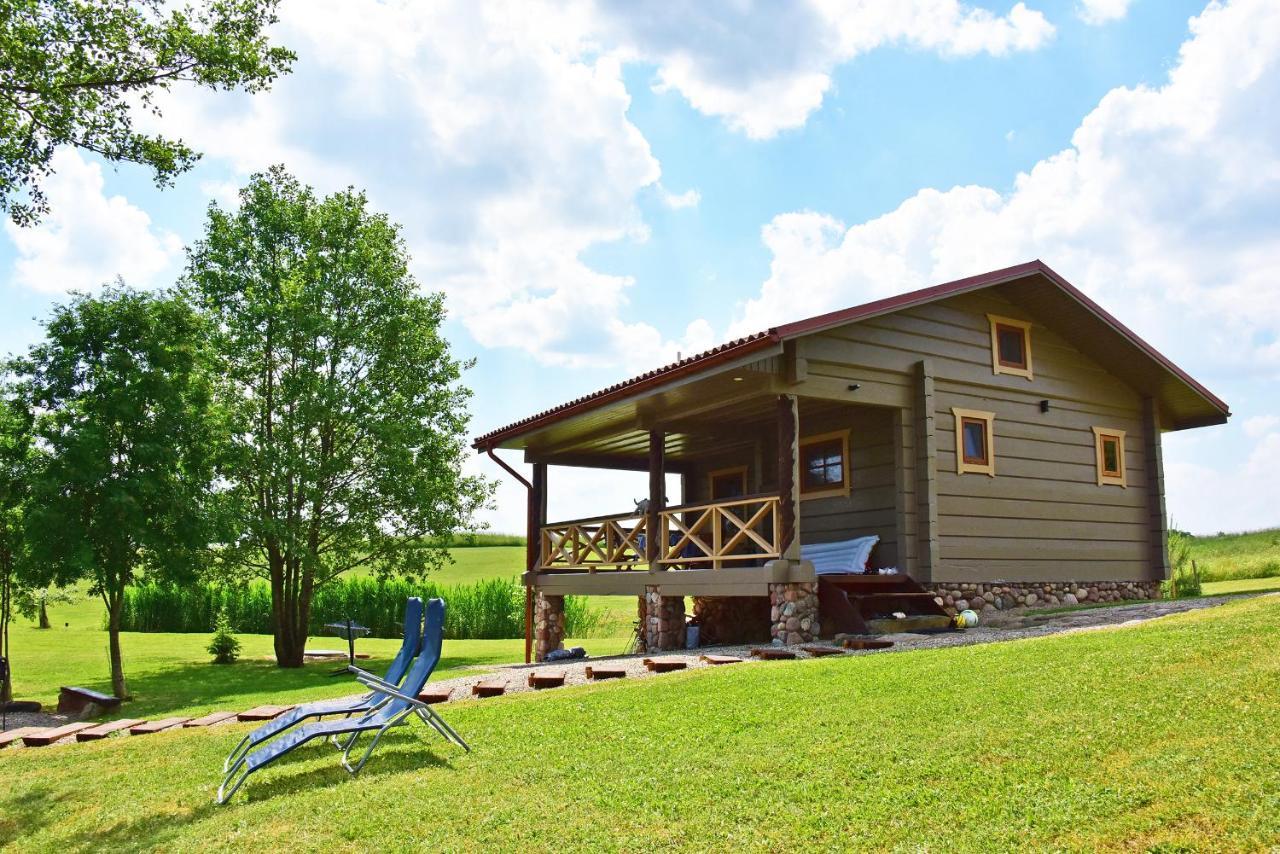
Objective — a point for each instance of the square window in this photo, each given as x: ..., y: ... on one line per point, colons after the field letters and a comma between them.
x: 1109, y: 456
x: 1010, y: 346
x: 975, y: 442
x: 824, y: 465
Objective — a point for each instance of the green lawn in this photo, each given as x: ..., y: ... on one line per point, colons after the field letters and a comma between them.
x: 1255, y: 554
x: 1158, y: 737
x: 1239, y: 585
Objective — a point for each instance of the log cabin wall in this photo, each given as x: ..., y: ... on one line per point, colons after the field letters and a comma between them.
x: 1043, y: 515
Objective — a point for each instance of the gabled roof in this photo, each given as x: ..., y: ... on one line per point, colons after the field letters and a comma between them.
x: 1212, y: 411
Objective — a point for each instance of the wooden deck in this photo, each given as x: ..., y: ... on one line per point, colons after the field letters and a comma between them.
x: 726, y: 581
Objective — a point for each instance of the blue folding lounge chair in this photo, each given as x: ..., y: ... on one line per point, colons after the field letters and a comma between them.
x: 344, y: 706
x: 401, y: 702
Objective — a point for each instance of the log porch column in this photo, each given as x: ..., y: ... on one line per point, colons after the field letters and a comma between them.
x: 657, y: 498
x: 788, y: 476
x: 535, y: 519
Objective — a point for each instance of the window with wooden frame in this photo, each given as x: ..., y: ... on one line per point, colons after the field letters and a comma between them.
x: 824, y: 465
x: 1010, y: 346
x: 724, y: 484
x: 975, y: 442
x: 1109, y: 454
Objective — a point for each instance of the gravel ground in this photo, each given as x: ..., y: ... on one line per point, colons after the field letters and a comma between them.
x: 1002, y: 627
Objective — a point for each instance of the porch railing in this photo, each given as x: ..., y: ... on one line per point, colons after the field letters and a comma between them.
x: 591, y: 544
x: 696, y: 536
x: 737, y: 530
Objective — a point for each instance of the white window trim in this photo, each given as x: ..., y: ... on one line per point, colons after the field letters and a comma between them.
x: 1025, y: 326
x: 1105, y: 479
x: 844, y: 489
x: 987, y: 418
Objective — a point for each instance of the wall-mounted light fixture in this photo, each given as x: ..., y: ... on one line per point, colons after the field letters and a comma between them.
x: 854, y: 386
x: 737, y: 379
x: 1044, y: 406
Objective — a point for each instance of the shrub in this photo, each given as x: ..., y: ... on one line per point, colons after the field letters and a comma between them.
x: 1184, y: 576
x: 225, y: 647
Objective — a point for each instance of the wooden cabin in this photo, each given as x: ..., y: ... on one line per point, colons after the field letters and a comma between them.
x: 997, y: 438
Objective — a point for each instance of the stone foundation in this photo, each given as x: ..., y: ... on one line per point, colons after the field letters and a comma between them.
x: 732, y: 619
x: 664, y: 626
x: 548, y: 625
x: 793, y: 612
x: 1005, y: 595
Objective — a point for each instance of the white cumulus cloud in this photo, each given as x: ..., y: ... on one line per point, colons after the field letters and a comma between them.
x: 1097, y: 12
x: 88, y: 238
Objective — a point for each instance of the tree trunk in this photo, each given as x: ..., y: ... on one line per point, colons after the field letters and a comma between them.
x: 118, y: 686
x: 44, y: 615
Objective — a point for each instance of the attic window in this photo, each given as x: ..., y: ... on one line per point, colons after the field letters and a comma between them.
x: 975, y: 442
x: 1010, y: 346
x: 1109, y: 453
x: 824, y: 465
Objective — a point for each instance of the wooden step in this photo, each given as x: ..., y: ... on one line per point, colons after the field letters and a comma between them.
x: 263, y: 713
x: 10, y: 736
x: 665, y: 665
x: 772, y: 653
x: 489, y: 689
x: 546, y: 679
x: 720, y: 659
x: 435, y: 696
x: 819, y: 651
x: 595, y: 672
x: 46, y: 737
x: 210, y: 719
x: 148, y: 727
x: 104, y: 730
x: 866, y: 643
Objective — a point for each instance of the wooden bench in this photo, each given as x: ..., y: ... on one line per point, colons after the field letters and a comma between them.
x: 75, y: 701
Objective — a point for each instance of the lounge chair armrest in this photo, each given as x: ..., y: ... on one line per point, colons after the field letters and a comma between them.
x: 379, y: 685
x: 351, y: 668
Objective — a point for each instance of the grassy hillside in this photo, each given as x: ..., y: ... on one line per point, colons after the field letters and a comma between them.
x: 1224, y: 557
x: 1159, y: 737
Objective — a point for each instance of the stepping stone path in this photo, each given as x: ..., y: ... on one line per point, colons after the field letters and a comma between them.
x: 768, y: 653
x: 104, y: 730
x: 10, y: 736
x: 819, y: 651
x: 210, y: 719
x: 546, y: 679
x: 665, y: 665
x: 595, y: 673
x: 435, y: 696
x: 148, y: 727
x: 48, y: 736
x: 860, y: 643
x: 263, y: 713
x: 489, y: 689
x: 720, y: 659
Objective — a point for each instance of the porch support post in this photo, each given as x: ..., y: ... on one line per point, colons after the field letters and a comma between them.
x: 657, y: 498
x: 926, y: 474
x: 788, y: 476
x: 535, y: 519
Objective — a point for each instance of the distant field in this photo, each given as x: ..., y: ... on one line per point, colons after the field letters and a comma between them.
x: 1240, y: 585
x: 1253, y: 554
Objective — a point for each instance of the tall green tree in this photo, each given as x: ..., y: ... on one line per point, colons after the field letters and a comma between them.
x: 76, y: 72
x: 17, y: 459
x: 127, y: 434
x: 350, y: 415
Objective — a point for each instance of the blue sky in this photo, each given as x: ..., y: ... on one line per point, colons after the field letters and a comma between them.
x: 597, y: 186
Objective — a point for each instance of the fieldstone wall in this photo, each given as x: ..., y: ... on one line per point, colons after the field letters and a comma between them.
x: 793, y: 612
x: 732, y: 619
x: 663, y: 621
x: 548, y: 625
x: 1005, y: 595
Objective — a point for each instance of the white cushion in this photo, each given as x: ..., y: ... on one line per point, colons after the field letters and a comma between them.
x: 841, y: 557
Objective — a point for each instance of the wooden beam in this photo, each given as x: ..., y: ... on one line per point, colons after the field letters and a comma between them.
x: 603, y: 461
x: 788, y: 476
x: 657, y: 496
x: 536, y: 518
x: 1153, y: 458
x: 904, y: 481
x: 926, y: 465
